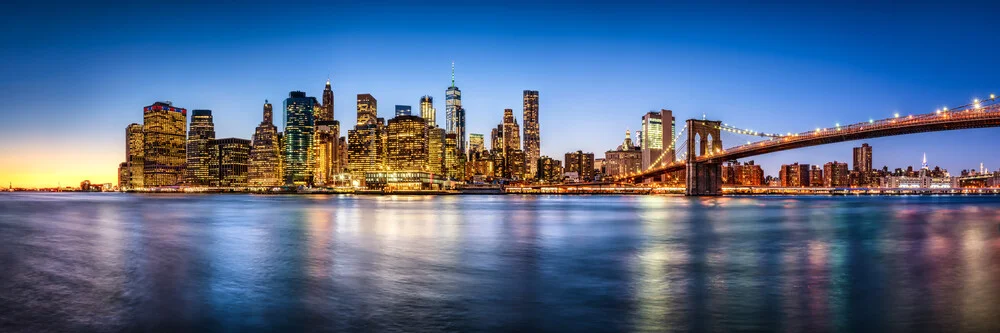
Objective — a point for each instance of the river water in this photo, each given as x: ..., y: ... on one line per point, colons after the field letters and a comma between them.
x: 128, y: 262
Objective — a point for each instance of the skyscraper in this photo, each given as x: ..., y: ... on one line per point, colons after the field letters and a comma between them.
x: 299, y: 134
x: 669, y: 125
x: 326, y: 109
x: 164, y: 128
x: 202, y: 131
x: 326, y: 150
x: 476, y: 143
x: 435, y: 150
x: 265, y: 157
x: 367, y: 109
x: 532, y: 136
x: 427, y: 110
x: 460, y: 133
x: 651, y: 143
x: 364, y: 150
x: 134, y: 152
x: 863, y: 158
x: 229, y: 161
x: 402, y: 110
x: 452, y: 102
x: 406, y: 141
x: 511, y: 131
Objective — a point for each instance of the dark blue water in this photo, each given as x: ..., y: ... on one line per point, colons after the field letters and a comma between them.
x: 118, y: 262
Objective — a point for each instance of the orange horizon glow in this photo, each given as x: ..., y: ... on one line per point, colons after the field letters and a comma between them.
x: 33, y: 167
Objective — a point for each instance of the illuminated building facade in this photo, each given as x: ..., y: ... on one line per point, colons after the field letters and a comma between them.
x: 390, y: 181
x: 406, y: 142
x: 164, y: 134
x: 298, y: 136
x: 746, y: 174
x: 480, y: 163
x: 365, y: 150
x: 476, y: 143
x: 201, y: 131
x: 342, y: 155
x: 794, y: 175
x: 265, y: 153
x: 427, y: 111
x: 367, y: 109
x: 403, y: 110
x: 135, y: 151
x: 326, y: 150
x: 532, y: 137
x: 435, y: 151
x: 511, y: 131
x: 652, y: 140
x: 516, y: 168
x: 122, y: 175
x: 816, y: 178
x: 452, y: 162
x: 549, y: 170
x: 581, y: 163
x: 836, y: 174
x: 627, y: 158
x: 454, y: 114
x: 863, y: 158
x: 229, y: 164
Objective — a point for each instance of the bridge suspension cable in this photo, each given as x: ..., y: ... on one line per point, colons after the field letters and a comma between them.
x: 673, y: 143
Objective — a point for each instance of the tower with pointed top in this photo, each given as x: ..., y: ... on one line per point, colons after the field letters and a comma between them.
x: 265, y: 157
x: 454, y: 113
x: 326, y: 109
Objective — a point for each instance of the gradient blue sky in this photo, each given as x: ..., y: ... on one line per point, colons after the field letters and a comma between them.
x: 75, y: 75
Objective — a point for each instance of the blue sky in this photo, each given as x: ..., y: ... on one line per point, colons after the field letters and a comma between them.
x: 75, y: 75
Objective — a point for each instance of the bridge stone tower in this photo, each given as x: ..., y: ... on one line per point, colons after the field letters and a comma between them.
x: 703, y: 178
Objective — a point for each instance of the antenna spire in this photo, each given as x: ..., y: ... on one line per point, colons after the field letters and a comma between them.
x: 453, y: 73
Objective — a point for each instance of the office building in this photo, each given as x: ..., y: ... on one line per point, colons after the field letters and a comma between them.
x: 229, y: 164
x: 164, y: 137
x: 402, y: 110
x: 532, y: 136
x: 265, y: 153
x: 516, y: 167
x: 452, y: 104
x: 549, y: 170
x: 326, y: 149
x: 652, y: 142
x: 476, y: 143
x: 427, y: 110
x: 406, y: 143
x: 299, y: 135
x: 511, y: 131
x: 435, y: 150
x: 134, y: 154
x: 367, y: 109
x: 201, y: 131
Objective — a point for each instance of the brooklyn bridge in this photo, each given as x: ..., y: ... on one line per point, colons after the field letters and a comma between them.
x: 701, y: 154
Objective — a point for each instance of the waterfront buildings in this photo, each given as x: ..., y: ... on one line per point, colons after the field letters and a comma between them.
x: 365, y: 149
x: 794, y: 175
x: 427, y: 110
x: 836, y: 174
x: 402, y: 110
x: 452, y: 157
x: 580, y: 163
x: 532, y: 137
x: 134, y: 155
x: 164, y: 154
x: 436, y: 150
x: 652, y: 142
x: 625, y: 159
x: 746, y: 174
x: 265, y: 157
x: 229, y: 162
x: 201, y: 131
x: 863, y: 158
x: 298, y: 138
x: 816, y: 178
x: 406, y: 144
x: 549, y: 170
x: 476, y: 143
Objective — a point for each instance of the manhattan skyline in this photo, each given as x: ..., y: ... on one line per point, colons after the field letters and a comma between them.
x: 597, y: 69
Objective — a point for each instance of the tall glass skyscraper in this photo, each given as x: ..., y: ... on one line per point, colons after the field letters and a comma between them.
x: 163, y: 129
x: 299, y: 133
x: 454, y: 113
x: 199, y: 157
x: 532, y: 137
x: 402, y: 110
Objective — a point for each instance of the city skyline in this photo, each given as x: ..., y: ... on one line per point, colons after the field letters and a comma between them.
x: 845, y: 86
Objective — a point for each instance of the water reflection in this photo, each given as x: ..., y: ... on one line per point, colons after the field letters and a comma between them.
x: 498, y: 263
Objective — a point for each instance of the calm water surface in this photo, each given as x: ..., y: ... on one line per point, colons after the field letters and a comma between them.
x: 120, y: 262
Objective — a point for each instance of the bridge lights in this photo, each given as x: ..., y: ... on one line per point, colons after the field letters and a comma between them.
x: 870, y: 120
x: 895, y: 115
